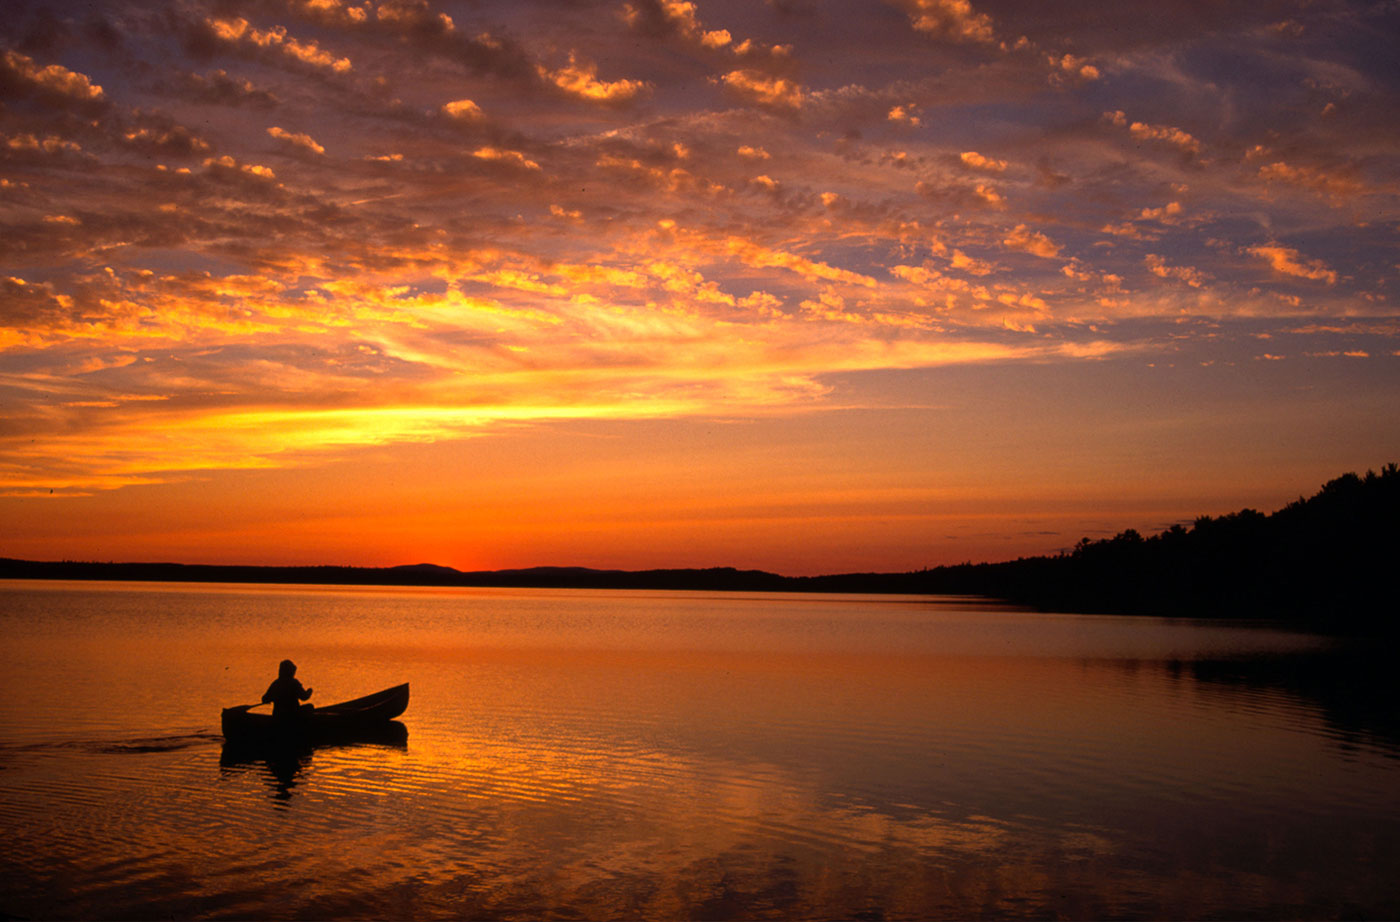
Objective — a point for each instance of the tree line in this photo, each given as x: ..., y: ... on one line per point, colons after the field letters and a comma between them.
x: 1328, y: 559
x: 1324, y: 560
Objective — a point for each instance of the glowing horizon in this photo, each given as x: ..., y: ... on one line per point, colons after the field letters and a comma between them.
x: 800, y: 286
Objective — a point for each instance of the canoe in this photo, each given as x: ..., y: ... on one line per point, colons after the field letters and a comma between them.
x: 360, y: 718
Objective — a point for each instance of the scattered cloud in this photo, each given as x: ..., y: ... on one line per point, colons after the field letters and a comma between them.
x: 976, y: 161
x: 296, y: 139
x: 512, y: 157
x: 1174, y: 137
x: 224, y: 227
x: 1167, y: 213
x: 54, y: 78
x: 950, y: 19
x: 227, y: 165
x: 905, y: 115
x: 1033, y: 242
x: 1288, y: 261
x: 965, y: 263
x: 463, y: 109
x: 49, y: 145
x: 764, y: 89
x: 581, y: 81
x: 239, y: 31
x: 1073, y: 66
x: 1188, y: 274
x: 1340, y: 183
x: 677, y: 16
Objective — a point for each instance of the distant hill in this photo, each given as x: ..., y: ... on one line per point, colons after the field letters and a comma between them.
x: 713, y: 579
x: 1325, y: 561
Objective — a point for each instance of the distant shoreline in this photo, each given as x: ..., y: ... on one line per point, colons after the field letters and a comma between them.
x: 716, y: 579
x: 1323, y: 562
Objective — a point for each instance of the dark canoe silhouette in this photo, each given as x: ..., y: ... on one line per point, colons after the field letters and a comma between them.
x: 370, y: 719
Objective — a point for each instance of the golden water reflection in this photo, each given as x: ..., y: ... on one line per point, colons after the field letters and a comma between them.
x: 737, y: 762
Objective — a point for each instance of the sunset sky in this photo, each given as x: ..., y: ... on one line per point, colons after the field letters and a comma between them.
x: 801, y: 285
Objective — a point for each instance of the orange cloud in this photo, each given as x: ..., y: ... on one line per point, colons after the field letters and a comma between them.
x: 759, y: 256
x: 1128, y: 231
x: 581, y: 81
x: 228, y: 163
x: 1033, y: 242
x: 762, y: 88
x: 296, y: 139
x: 1074, y: 66
x: 1167, y: 213
x: 904, y: 115
x: 1289, y: 262
x: 970, y: 265
x: 1174, y: 136
x: 976, y: 161
x: 683, y: 17
x: 1158, y: 266
x: 989, y: 194
x: 173, y: 139
x: 513, y: 157
x: 49, y: 145
x: 238, y: 30
x: 335, y: 11
x: 1330, y: 183
x: 52, y: 77
x: 1179, y: 139
x: 952, y: 19
x: 463, y: 109
x: 408, y: 15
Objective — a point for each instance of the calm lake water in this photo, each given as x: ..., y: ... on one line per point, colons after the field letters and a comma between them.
x: 688, y: 755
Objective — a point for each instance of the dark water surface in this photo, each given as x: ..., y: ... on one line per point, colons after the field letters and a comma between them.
x: 687, y: 755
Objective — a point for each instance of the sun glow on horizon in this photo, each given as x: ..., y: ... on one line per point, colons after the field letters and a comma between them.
x: 682, y: 284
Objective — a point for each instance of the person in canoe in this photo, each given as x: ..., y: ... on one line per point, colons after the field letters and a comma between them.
x: 286, y: 692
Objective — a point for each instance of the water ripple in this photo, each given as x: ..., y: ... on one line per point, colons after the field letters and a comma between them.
x: 655, y: 782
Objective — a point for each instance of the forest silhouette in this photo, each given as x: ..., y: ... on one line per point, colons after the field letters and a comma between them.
x: 1327, y: 559
x: 1323, y: 560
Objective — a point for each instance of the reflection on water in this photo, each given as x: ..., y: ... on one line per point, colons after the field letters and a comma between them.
x: 282, y: 768
x: 284, y: 762
x: 1354, y: 686
x: 675, y: 755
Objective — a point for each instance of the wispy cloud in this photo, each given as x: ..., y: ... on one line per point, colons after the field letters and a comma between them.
x: 1289, y: 262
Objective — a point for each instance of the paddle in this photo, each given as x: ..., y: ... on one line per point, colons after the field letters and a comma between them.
x: 248, y: 707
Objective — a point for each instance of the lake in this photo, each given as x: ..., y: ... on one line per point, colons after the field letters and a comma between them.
x: 677, y: 755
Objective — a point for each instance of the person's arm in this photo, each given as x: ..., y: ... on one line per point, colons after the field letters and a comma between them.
x: 305, y: 693
x: 267, y: 695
